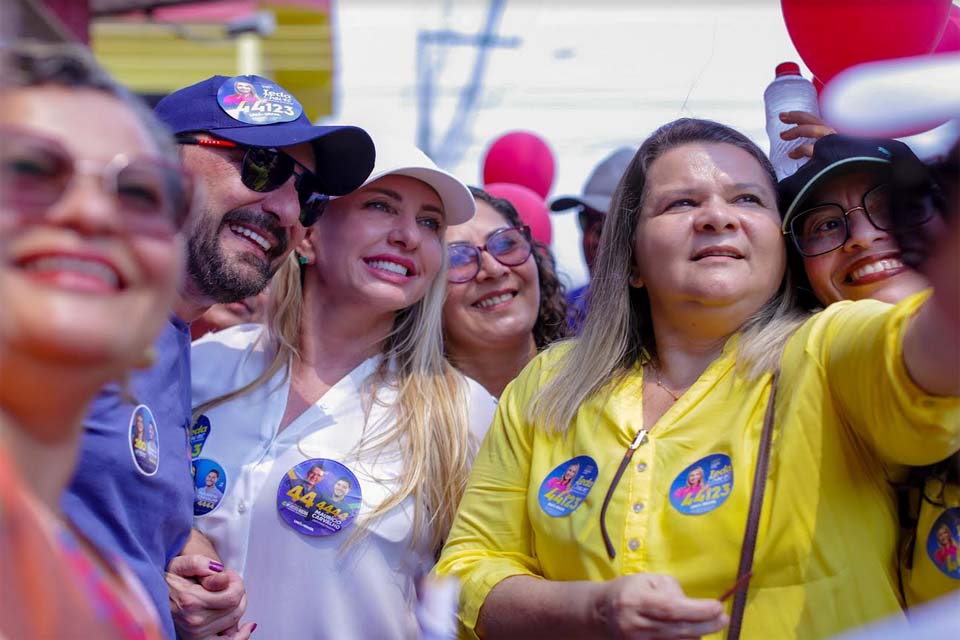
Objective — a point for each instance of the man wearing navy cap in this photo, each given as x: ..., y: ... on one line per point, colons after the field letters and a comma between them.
x: 265, y: 173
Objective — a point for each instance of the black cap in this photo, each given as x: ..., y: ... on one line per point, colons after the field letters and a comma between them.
x: 836, y: 154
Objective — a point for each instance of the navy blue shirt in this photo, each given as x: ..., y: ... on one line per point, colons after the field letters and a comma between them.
x: 577, y: 308
x: 133, y: 492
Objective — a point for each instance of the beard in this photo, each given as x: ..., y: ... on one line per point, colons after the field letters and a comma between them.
x: 223, y: 278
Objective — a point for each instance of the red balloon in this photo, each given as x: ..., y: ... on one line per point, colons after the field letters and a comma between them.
x: 531, y: 207
x: 832, y: 35
x: 520, y: 157
x: 951, y: 34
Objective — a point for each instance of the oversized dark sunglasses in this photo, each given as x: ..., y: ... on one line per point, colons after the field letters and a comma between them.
x: 510, y: 246
x: 153, y: 196
x: 826, y: 227
x: 265, y: 169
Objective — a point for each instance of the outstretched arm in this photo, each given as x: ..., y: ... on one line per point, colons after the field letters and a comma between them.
x: 931, y: 344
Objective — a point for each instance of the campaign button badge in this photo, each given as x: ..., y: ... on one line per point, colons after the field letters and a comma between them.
x: 319, y: 497
x: 943, y: 543
x: 703, y: 486
x: 210, y: 483
x: 566, y: 487
x: 144, y: 440
x: 256, y: 100
x: 199, y: 433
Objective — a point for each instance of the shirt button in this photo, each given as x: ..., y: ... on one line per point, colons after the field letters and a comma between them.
x: 641, y: 466
x: 638, y: 507
x: 634, y: 544
x: 242, y: 506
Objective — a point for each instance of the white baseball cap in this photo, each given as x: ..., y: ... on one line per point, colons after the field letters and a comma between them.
x: 395, y: 157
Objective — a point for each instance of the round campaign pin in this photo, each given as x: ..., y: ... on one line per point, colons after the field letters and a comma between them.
x: 943, y: 543
x: 566, y: 487
x: 199, y: 433
x: 144, y: 440
x: 210, y: 482
x: 703, y: 486
x: 319, y: 497
x: 256, y: 100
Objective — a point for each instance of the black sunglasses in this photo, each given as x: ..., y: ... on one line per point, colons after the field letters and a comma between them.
x: 266, y: 169
x: 510, y: 246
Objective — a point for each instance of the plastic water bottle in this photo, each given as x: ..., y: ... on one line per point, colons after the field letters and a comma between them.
x: 789, y: 91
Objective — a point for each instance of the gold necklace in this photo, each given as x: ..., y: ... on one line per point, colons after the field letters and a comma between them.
x: 659, y: 382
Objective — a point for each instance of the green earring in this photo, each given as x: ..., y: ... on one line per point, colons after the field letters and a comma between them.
x: 303, y: 260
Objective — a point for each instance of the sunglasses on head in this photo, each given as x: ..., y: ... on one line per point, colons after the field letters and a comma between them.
x: 154, y: 196
x: 265, y: 169
x: 510, y: 246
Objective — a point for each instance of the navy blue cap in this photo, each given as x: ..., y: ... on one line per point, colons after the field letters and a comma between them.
x: 834, y: 155
x: 345, y: 154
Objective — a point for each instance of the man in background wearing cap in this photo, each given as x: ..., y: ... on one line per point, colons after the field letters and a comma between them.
x: 264, y: 173
x: 592, y: 210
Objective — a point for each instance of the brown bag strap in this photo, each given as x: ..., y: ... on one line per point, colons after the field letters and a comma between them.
x: 753, y: 515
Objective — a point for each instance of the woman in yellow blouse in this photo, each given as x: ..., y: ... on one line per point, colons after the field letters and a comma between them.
x: 691, y: 314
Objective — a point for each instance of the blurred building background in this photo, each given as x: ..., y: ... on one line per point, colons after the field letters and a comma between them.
x: 452, y: 75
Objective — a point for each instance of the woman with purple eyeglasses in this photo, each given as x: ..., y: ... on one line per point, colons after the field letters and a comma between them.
x: 504, y: 300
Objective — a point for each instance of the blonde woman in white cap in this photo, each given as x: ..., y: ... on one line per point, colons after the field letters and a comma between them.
x: 341, y: 436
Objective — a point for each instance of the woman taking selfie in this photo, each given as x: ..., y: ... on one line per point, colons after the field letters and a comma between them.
x: 676, y: 369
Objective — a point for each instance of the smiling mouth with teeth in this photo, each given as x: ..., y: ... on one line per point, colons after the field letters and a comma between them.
x: 253, y: 236
x: 67, y: 264
x: 486, y: 303
x: 887, y: 264
x: 392, y: 267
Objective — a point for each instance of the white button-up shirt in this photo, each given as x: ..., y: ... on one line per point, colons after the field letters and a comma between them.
x: 300, y: 586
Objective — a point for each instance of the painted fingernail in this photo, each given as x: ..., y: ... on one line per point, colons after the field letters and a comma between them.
x: 216, y: 566
x: 253, y: 628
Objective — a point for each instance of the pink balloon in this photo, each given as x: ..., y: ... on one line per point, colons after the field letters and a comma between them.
x: 520, y: 157
x: 531, y: 207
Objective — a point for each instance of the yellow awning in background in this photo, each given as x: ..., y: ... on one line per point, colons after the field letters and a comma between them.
x: 155, y: 58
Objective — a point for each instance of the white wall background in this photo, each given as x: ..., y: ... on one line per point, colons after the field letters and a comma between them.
x: 588, y: 76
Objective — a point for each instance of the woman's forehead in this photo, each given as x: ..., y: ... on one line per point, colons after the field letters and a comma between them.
x: 706, y: 162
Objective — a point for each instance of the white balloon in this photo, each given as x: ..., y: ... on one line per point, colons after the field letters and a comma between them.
x: 887, y: 97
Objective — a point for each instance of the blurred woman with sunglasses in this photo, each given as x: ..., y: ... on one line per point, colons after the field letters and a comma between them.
x: 349, y: 378
x: 92, y: 201
x: 692, y: 323
x: 840, y: 218
x: 504, y: 300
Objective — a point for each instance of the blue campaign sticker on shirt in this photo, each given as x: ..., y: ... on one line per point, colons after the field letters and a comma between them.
x: 144, y: 440
x: 199, y: 433
x: 319, y: 497
x: 943, y: 543
x: 256, y: 100
x: 703, y: 486
x: 210, y: 482
x: 566, y: 487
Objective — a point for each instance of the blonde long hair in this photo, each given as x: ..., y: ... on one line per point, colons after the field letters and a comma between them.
x: 618, y: 331
x: 431, y: 422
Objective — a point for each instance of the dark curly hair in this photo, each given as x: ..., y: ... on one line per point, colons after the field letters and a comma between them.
x: 551, y: 322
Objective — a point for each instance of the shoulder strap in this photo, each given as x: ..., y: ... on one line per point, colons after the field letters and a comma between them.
x: 753, y: 515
